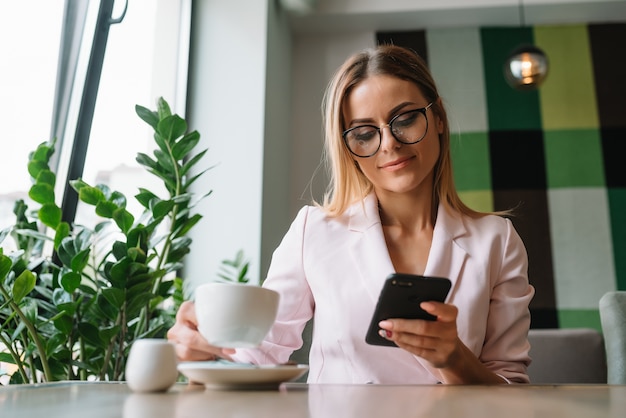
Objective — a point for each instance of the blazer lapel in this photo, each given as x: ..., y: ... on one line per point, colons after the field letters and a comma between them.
x: 447, y: 253
x: 369, y: 249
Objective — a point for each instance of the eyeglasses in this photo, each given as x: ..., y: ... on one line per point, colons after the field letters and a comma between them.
x: 407, y: 128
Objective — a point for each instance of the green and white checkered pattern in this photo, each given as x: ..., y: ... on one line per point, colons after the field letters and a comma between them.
x: 553, y: 154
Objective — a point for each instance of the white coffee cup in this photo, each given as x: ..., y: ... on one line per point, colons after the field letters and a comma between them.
x: 235, y: 315
x: 151, y: 365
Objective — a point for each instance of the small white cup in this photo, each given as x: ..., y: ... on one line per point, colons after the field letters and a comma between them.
x: 235, y: 315
x: 151, y: 365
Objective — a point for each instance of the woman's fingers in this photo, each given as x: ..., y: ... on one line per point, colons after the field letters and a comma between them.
x: 434, y: 341
x: 189, y: 344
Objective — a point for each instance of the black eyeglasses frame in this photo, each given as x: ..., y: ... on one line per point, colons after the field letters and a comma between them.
x: 422, y: 110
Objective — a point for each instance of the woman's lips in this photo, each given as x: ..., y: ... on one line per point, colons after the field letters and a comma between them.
x: 396, y: 164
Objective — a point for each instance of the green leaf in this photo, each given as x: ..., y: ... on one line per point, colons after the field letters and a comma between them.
x: 119, y: 250
x: 137, y: 237
x: 90, y: 195
x: 148, y: 116
x: 145, y: 197
x: 179, y: 243
x: 165, y: 287
x: 90, y: 333
x: 118, y: 199
x: 32, y: 234
x: 106, y: 308
x: 56, y: 343
x: 176, y: 255
x: 6, y: 358
x: 78, y: 184
x: 116, y: 297
x: 146, y: 161
x: 108, y: 334
x: 162, y: 208
x: 137, y: 270
x: 123, y: 219
x: 119, y: 270
x: 70, y: 281
x: 42, y: 193
x: 105, y: 209
x: 139, y: 300
x: 161, y: 142
x: 23, y: 285
x: 172, y: 127
x: 43, y: 152
x: 193, y: 161
x: 163, y: 108
x: 5, y: 267
x: 185, y: 145
x: 65, y: 251
x: 36, y: 167
x: 164, y: 160
x: 80, y: 260
x: 188, y: 224
x: 29, y: 309
x: 47, y: 177
x: 50, y: 215
x: 64, y: 324
x: 82, y: 241
x: 63, y: 230
x: 137, y: 254
x: 61, y: 297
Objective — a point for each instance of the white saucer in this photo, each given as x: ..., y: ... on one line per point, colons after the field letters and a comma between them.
x: 221, y: 375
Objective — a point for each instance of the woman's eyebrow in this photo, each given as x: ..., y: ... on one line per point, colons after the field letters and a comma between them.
x: 399, y: 107
x: 390, y: 115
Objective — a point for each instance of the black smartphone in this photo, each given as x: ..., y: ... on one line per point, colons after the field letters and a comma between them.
x: 400, y: 298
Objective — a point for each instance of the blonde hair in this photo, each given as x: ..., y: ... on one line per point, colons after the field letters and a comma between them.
x: 347, y: 183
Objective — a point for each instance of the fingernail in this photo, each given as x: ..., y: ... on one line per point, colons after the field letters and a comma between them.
x: 384, y: 333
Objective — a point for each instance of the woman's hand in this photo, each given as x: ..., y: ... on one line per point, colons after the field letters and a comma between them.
x: 190, y: 345
x: 438, y: 342
x: 435, y: 341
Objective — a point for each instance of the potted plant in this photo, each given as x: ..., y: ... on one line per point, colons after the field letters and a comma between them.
x: 73, y: 312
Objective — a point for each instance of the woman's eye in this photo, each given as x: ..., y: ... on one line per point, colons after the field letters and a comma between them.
x: 406, y: 119
x: 363, y: 134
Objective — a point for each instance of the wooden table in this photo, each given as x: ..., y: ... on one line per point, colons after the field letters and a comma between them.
x: 94, y: 400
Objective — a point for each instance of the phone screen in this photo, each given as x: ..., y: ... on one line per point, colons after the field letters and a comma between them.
x: 400, y: 298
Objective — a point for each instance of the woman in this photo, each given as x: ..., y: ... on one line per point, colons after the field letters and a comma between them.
x: 391, y: 207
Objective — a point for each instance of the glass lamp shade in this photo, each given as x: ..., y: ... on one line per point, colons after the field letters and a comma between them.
x: 526, y: 67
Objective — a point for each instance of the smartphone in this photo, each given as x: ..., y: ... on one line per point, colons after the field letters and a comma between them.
x: 400, y: 298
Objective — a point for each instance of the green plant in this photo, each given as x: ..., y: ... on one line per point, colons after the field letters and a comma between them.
x: 235, y: 270
x: 73, y: 312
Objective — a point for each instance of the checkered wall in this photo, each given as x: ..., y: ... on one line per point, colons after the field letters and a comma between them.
x: 553, y: 154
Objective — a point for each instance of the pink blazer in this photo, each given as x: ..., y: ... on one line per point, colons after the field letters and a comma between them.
x: 332, y: 270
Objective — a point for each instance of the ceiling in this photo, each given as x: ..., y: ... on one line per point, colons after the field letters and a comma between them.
x: 328, y: 16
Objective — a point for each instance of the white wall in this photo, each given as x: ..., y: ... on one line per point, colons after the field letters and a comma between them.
x: 239, y: 101
x: 226, y: 104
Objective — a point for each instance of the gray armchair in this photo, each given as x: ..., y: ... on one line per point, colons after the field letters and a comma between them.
x: 567, y: 355
x: 613, y: 318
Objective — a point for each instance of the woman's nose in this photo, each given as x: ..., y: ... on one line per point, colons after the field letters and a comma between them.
x: 387, y: 140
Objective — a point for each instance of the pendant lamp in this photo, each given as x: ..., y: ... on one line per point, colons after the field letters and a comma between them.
x: 526, y: 67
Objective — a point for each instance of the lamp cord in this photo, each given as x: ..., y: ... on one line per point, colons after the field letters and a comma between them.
x: 521, y: 13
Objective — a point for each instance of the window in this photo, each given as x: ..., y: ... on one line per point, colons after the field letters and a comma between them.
x: 145, y: 58
x: 29, y: 49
